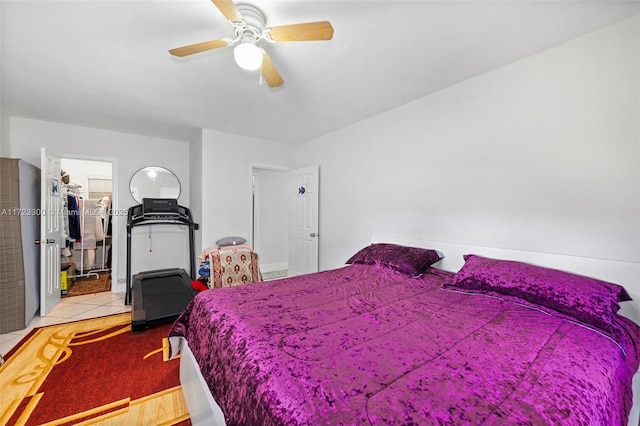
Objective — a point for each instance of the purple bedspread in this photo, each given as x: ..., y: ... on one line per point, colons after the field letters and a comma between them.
x: 367, y: 345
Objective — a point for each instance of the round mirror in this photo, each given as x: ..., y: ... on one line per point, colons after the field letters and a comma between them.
x: 154, y: 182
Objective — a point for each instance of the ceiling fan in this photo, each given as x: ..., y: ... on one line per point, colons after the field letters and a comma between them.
x: 249, y: 26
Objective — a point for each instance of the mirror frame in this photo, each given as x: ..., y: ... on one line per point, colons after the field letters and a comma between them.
x: 143, y: 185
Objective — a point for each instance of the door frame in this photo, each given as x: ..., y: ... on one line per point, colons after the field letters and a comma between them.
x: 252, y: 225
x: 115, y: 212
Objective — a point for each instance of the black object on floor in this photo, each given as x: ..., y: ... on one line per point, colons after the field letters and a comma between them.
x: 159, y: 295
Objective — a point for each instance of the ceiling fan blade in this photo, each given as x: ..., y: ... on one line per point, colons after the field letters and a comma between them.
x: 228, y: 9
x: 198, y: 47
x: 321, y: 30
x: 270, y: 73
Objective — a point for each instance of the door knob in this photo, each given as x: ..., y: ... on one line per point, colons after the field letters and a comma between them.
x: 47, y: 241
x: 314, y: 234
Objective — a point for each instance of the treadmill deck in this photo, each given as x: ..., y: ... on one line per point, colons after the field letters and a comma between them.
x: 159, y: 296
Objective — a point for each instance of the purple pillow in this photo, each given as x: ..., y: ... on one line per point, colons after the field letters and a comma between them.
x: 588, y: 300
x: 408, y: 260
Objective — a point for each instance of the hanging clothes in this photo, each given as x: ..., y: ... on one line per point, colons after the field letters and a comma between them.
x: 74, y: 217
x: 88, y: 221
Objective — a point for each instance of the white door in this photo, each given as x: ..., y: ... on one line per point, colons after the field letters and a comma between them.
x: 51, y: 207
x: 303, y: 224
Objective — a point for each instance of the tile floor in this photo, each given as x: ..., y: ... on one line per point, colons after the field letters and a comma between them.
x: 70, y: 309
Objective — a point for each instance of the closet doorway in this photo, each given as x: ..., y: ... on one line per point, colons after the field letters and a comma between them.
x: 87, y: 187
x: 270, y: 230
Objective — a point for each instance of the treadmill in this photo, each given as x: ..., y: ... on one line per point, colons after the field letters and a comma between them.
x: 160, y: 295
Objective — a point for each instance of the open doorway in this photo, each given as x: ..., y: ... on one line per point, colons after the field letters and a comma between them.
x: 87, y: 256
x: 270, y: 230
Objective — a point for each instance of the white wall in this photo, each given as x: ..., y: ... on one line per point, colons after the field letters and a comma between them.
x: 195, y: 190
x: 4, y: 132
x: 227, y: 167
x: 130, y: 153
x: 4, y: 121
x: 542, y: 155
x: 272, y: 204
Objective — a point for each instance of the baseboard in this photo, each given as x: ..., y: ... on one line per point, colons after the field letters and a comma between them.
x: 118, y: 287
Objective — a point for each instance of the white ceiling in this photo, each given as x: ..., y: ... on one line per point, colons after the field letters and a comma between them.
x: 105, y: 64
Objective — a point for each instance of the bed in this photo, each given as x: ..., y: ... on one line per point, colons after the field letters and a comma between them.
x: 391, y: 339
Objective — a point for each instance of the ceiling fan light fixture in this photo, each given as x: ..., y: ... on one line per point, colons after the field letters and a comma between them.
x: 248, y: 56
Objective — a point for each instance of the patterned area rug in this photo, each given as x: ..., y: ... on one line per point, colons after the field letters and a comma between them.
x: 92, y: 372
x: 272, y: 275
x: 90, y: 285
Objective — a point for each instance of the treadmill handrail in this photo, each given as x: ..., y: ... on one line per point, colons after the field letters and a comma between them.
x: 136, y: 218
x: 161, y: 222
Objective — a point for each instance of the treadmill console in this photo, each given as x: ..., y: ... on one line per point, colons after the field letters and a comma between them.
x: 159, y: 208
x: 157, y: 211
